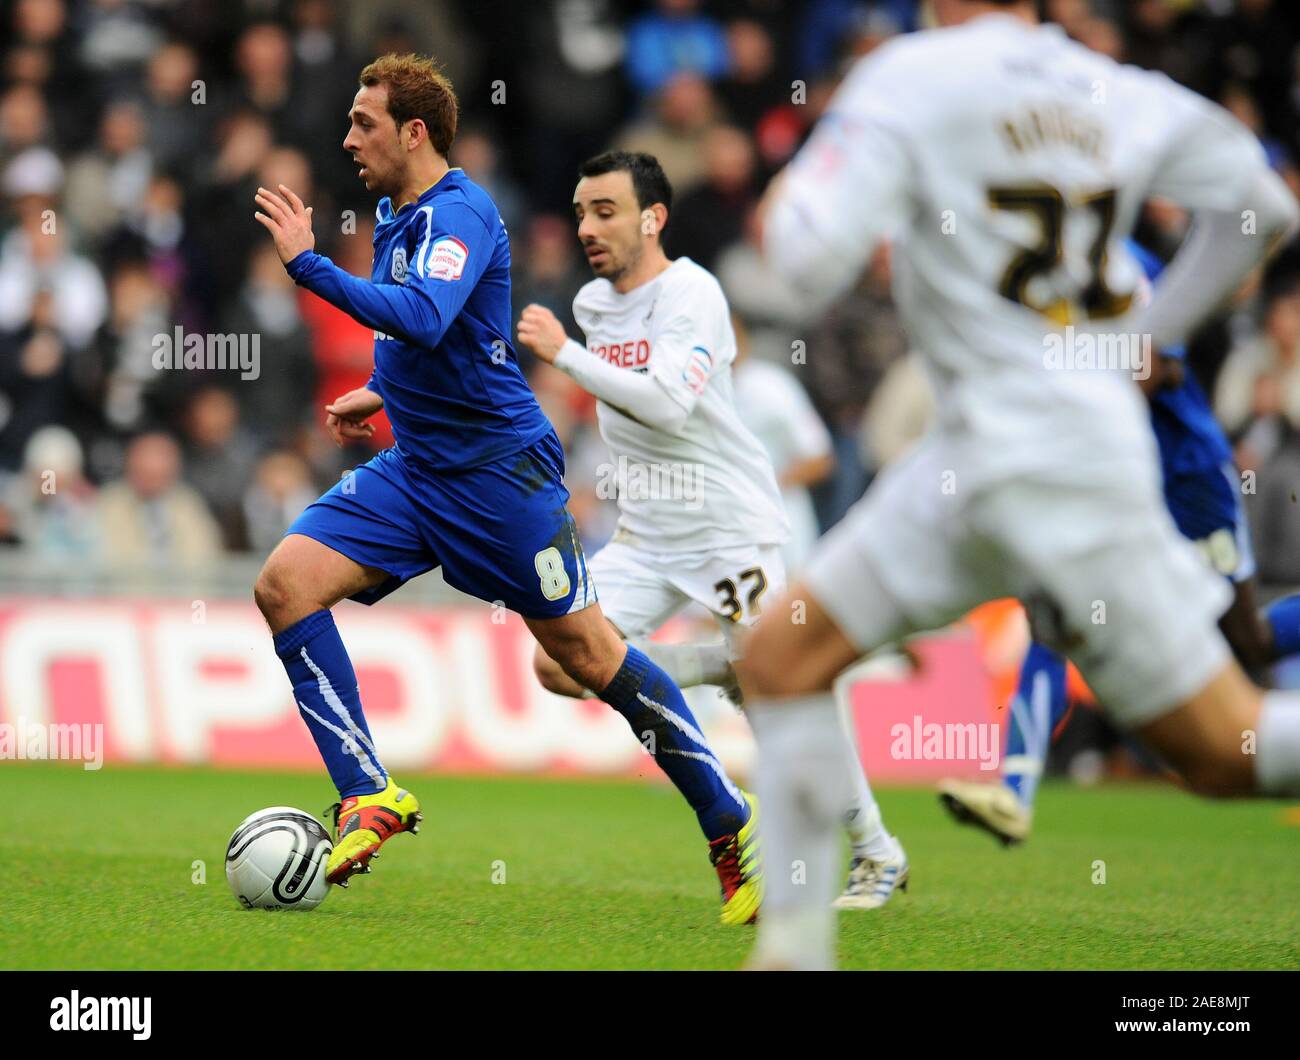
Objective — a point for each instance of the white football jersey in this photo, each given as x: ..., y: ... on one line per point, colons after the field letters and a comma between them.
x: 712, y: 485
x: 1009, y: 162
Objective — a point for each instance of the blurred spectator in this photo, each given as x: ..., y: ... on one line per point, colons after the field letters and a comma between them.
x: 220, y: 455
x: 117, y: 39
x: 224, y: 190
x: 849, y: 347
x: 272, y: 404
x: 771, y: 308
x: 899, y: 411
x: 9, y: 538
x: 681, y: 116
x: 156, y: 231
x: 176, y: 124
x: 674, y: 38
x: 834, y: 28
x: 1101, y: 35
x: 569, y: 53
x: 140, y: 312
x: 476, y: 154
x: 282, y: 487
x: 549, y: 271
x: 1258, y: 391
x: 42, y: 26
x: 754, y: 84
x: 710, y: 217
x: 783, y: 128
x: 36, y: 255
x: 51, y: 502
x: 108, y: 182
x: 35, y: 380
x: 1275, y: 513
x: 24, y: 121
x: 1241, y: 103
x: 151, y: 518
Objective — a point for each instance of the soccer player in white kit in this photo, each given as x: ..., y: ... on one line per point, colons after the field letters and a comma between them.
x: 1012, y: 162
x: 701, y: 518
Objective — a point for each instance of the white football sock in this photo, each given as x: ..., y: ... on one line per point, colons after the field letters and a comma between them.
x: 803, y: 784
x: 1277, y: 748
x: 862, y: 820
x: 689, y: 664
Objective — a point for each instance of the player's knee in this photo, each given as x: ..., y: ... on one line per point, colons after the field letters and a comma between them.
x: 273, y: 592
x: 586, y: 666
x: 550, y: 674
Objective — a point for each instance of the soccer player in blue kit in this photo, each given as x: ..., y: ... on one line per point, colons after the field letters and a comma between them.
x: 1203, y: 493
x: 474, y: 483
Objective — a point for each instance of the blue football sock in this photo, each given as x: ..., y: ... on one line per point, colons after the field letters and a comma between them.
x: 1039, y: 703
x: 661, y: 720
x: 1284, y: 617
x: 325, y: 689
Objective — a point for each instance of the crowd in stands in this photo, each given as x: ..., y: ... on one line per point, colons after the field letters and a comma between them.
x: 133, y: 133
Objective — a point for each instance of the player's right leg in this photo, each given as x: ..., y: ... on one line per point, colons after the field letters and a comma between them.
x: 353, y: 542
x: 593, y: 655
x: 504, y: 533
x: 886, y: 570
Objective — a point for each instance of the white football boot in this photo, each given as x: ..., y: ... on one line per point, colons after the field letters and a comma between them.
x: 993, y: 807
x: 872, y: 883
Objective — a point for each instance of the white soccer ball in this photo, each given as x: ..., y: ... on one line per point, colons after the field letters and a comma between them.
x: 276, y: 860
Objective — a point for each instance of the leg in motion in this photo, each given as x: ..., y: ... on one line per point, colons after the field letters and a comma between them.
x: 803, y: 779
x: 301, y: 580
x: 1005, y: 810
x: 591, y: 654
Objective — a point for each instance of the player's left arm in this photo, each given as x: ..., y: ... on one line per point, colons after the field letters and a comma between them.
x: 845, y: 191
x: 449, y: 260
x: 681, y: 365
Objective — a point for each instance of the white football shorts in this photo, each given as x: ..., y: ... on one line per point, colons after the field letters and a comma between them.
x: 1095, y: 556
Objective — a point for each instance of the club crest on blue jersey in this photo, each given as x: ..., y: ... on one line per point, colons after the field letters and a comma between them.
x: 399, y: 265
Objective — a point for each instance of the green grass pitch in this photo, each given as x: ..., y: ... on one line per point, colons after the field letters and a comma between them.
x: 97, y: 868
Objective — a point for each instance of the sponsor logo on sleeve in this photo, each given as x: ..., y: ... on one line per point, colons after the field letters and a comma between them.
x: 696, y: 373
x: 447, y: 259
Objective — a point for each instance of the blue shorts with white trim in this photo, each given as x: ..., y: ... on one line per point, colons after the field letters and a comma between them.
x: 1207, y: 507
x: 500, y: 531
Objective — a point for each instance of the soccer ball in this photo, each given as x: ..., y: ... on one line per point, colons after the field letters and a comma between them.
x: 276, y: 860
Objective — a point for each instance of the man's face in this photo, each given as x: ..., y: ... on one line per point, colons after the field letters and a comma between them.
x: 374, y: 141
x: 609, y: 223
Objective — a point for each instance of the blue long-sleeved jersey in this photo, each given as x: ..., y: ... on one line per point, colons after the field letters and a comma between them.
x: 439, y: 301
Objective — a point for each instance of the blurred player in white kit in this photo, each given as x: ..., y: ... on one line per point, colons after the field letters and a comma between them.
x: 700, y: 512
x: 1011, y: 163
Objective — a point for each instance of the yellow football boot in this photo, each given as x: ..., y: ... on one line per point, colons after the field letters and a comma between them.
x: 740, y: 869
x: 364, y: 823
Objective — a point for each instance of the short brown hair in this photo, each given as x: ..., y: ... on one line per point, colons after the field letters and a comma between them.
x: 417, y: 88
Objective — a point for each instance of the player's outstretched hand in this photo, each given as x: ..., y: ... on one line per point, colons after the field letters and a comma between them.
x: 541, y: 332
x: 346, y: 415
x: 288, y: 221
